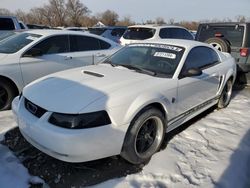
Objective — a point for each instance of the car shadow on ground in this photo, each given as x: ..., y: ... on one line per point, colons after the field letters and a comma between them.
x: 238, y: 171
x: 61, y: 174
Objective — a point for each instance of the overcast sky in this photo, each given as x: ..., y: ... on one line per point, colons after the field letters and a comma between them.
x: 142, y: 10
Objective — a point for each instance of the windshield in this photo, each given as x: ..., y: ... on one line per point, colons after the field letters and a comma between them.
x: 6, y: 24
x: 6, y: 34
x: 138, y: 33
x: 160, y: 59
x: 16, y: 42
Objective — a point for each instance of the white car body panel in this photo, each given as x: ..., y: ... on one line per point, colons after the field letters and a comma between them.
x: 122, y: 93
x: 155, y: 37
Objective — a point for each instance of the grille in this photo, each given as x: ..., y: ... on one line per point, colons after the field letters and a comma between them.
x: 34, y: 109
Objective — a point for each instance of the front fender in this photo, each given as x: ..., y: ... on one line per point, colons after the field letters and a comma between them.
x: 147, y: 99
x: 13, y: 74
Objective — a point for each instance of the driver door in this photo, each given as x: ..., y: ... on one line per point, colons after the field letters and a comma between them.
x: 197, y: 90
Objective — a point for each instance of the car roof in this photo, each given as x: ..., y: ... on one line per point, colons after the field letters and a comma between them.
x: 51, y: 32
x: 176, y: 42
x: 48, y: 32
x: 7, y: 17
x: 108, y: 27
x: 225, y: 23
x: 155, y: 26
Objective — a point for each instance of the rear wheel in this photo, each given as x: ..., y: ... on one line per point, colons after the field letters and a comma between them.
x: 226, y: 94
x: 144, y: 136
x: 7, y: 94
x: 220, y: 44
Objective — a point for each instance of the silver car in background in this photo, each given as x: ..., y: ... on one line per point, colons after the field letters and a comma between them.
x: 32, y: 54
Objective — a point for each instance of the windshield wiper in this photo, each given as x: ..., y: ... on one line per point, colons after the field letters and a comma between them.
x: 138, y: 69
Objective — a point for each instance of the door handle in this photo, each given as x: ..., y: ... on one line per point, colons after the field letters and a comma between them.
x: 100, y: 55
x: 68, y: 58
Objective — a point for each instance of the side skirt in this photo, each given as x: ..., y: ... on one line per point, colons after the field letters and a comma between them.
x: 184, y: 117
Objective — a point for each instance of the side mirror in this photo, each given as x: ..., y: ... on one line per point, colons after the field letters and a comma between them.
x: 33, y: 52
x: 192, y: 72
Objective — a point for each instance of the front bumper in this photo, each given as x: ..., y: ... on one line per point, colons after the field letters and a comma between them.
x: 66, y: 144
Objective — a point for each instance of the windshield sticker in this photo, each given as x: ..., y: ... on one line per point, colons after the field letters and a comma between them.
x: 31, y: 38
x: 165, y: 55
x: 164, y: 46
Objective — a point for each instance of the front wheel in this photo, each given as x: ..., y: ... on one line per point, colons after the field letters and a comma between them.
x: 7, y: 94
x: 144, y: 136
x: 226, y: 94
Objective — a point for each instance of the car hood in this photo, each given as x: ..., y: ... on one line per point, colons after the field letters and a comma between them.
x: 71, y: 91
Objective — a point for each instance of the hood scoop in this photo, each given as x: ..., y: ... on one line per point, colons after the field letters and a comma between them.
x: 93, y: 74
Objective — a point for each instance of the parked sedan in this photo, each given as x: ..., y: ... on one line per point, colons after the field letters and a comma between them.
x: 30, y: 55
x: 125, y: 104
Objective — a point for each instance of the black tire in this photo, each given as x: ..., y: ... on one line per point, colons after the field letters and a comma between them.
x: 220, y: 44
x: 226, y: 94
x: 7, y: 94
x: 144, y: 136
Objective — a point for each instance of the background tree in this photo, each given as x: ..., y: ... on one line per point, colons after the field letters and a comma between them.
x: 241, y: 18
x: 160, y: 20
x: 5, y: 12
x: 108, y: 17
x: 125, y: 21
x: 21, y: 15
x: 75, y: 12
x: 171, y: 21
x: 57, y: 11
x: 88, y: 21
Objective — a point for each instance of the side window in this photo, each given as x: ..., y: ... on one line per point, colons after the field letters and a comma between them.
x: 22, y: 26
x: 165, y: 33
x: 200, y: 57
x: 55, y: 44
x: 187, y: 35
x: 118, y: 32
x: 104, y: 45
x: 175, y: 33
x: 83, y: 43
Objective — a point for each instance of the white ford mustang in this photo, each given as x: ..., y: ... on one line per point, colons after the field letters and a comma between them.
x: 125, y: 104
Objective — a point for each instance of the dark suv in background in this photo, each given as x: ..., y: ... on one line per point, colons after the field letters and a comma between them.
x: 231, y: 37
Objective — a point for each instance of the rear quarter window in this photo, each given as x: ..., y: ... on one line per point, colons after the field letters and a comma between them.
x: 86, y: 43
x: 233, y: 34
x: 104, y: 45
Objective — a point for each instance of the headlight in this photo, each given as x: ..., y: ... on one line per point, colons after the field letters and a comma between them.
x: 80, y: 121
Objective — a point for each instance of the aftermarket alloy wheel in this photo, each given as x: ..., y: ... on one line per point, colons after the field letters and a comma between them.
x: 220, y: 44
x: 144, y: 136
x: 226, y: 95
x: 7, y: 94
